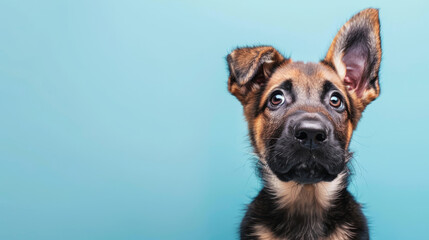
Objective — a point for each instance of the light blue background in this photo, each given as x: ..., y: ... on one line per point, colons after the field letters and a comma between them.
x: 116, y: 122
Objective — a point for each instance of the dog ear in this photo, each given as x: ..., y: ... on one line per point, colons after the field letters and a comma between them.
x: 250, y: 69
x: 356, y: 54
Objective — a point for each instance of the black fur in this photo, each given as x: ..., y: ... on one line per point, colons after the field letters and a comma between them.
x: 283, y: 225
x: 304, y: 138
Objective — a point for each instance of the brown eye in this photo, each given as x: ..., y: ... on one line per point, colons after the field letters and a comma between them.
x: 335, y: 101
x: 277, y: 98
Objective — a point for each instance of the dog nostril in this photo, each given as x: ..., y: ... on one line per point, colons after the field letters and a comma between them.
x: 301, y: 135
x: 321, y: 137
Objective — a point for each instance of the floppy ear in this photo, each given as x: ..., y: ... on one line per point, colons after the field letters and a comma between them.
x: 250, y: 69
x: 356, y: 54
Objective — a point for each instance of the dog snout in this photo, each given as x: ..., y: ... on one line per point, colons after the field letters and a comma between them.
x: 310, y: 132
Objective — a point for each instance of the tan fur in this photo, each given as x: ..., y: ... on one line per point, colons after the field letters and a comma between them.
x: 311, y: 199
x: 341, y: 233
x: 295, y: 71
x: 259, y: 128
x: 263, y: 233
x: 349, y: 133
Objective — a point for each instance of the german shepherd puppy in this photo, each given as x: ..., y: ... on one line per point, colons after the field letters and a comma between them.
x: 301, y: 117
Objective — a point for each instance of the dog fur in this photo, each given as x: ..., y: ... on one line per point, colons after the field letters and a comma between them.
x: 318, y: 205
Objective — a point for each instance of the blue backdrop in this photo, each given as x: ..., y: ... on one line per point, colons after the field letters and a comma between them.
x: 116, y: 122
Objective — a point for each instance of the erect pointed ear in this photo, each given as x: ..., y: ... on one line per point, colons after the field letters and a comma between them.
x: 250, y: 69
x: 356, y: 54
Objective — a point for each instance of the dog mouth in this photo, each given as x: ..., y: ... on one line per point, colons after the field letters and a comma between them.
x: 305, y: 173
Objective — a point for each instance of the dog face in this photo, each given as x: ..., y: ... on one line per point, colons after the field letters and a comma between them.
x: 301, y: 115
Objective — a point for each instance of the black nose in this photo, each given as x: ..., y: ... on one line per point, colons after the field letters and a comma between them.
x: 310, y: 133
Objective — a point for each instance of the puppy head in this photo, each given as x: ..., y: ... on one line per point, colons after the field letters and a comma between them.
x: 301, y: 115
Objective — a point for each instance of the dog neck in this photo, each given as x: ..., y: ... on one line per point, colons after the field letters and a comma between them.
x: 306, y: 205
x: 305, y: 199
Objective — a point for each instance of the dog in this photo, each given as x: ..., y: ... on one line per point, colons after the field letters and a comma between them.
x: 301, y: 117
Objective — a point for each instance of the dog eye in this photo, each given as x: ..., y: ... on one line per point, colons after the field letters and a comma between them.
x: 335, y: 101
x: 277, y: 98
